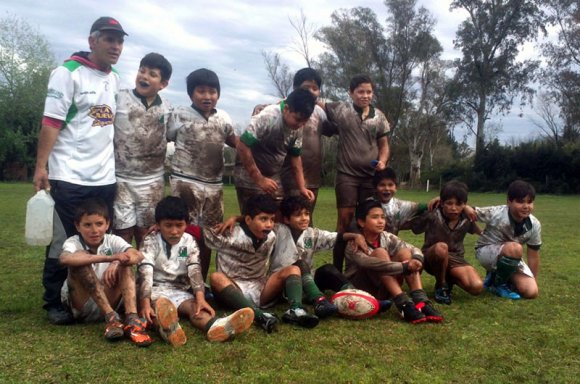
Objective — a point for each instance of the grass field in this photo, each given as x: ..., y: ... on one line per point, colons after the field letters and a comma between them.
x: 483, y: 339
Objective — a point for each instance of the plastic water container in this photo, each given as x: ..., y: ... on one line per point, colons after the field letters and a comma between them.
x: 39, y: 214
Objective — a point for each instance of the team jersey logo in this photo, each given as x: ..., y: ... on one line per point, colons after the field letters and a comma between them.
x: 107, y: 251
x: 182, y: 251
x: 308, y: 242
x: 102, y: 115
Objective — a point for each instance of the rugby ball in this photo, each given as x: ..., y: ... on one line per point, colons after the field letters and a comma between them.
x: 355, y: 304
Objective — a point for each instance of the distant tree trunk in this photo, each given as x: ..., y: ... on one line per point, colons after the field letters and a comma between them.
x: 415, y: 157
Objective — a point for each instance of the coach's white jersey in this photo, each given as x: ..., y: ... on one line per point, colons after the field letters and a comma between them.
x: 84, y: 98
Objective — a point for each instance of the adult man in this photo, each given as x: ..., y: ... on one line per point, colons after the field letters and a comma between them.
x: 76, y: 142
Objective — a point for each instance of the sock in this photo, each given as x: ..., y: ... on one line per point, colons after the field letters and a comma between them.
x: 419, y: 296
x: 232, y: 297
x: 209, y: 324
x: 400, y: 300
x: 327, y: 277
x: 294, y: 291
x: 506, y: 267
x: 338, y: 254
x: 311, y: 291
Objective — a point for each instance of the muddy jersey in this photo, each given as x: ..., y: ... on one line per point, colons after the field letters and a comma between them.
x: 436, y: 230
x: 111, y: 245
x: 357, y: 138
x: 288, y: 251
x: 199, y: 144
x: 311, y: 154
x: 270, y: 140
x: 501, y: 228
x: 84, y: 99
x: 400, y: 213
x: 175, y: 267
x: 357, y: 259
x: 140, y: 136
x: 239, y: 255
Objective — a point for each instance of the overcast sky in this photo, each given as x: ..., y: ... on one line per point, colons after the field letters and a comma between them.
x: 226, y: 36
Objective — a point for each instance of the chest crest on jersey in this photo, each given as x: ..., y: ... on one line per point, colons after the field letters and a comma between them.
x: 102, y: 115
x: 182, y: 251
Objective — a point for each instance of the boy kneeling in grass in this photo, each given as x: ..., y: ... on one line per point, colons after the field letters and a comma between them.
x: 170, y: 272
x: 100, y: 274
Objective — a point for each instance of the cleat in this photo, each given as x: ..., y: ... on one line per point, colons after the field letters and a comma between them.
x: 266, y: 321
x: 324, y: 308
x: 168, y: 322
x: 443, y: 294
x: 431, y: 314
x: 300, y: 317
x: 60, y: 316
x: 505, y: 292
x: 226, y: 328
x: 384, y: 305
x: 411, y: 314
x: 135, y: 331
x: 114, y: 328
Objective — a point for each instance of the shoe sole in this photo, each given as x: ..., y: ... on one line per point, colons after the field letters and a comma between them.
x: 168, y: 322
x: 434, y: 319
x: 238, y: 322
x: 114, y: 334
x: 418, y: 321
x: 303, y: 321
x: 326, y: 313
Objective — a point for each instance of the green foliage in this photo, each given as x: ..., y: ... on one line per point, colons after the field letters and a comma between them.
x: 25, y: 64
x: 483, y: 339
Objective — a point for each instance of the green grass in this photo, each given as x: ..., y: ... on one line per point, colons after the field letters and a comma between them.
x: 483, y: 339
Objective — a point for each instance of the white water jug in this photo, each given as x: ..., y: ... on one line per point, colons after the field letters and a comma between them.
x: 39, y: 214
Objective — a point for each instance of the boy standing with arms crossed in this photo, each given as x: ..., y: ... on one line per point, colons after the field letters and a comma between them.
x: 140, y: 146
x: 201, y: 131
x: 76, y: 142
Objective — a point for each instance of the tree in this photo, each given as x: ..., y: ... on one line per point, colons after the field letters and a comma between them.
x: 488, y: 75
x: 279, y: 73
x: 25, y: 64
x: 561, y: 74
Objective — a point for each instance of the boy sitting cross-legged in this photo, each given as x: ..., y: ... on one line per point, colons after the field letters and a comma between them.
x: 243, y: 260
x: 500, y: 248
x: 375, y: 273
x: 170, y: 271
x: 100, y: 274
x: 445, y: 228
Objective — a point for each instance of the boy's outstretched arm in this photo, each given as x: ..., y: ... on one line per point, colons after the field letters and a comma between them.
x: 534, y: 260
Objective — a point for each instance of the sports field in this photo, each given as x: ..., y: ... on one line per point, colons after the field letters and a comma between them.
x: 483, y: 339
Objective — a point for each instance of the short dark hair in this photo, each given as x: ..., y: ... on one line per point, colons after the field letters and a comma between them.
x: 294, y: 204
x: 157, y: 61
x: 171, y: 208
x: 519, y: 189
x: 359, y: 79
x: 91, y: 206
x: 454, y: 189
x: 260, y: 203
x: 306, y: 74
x: 202, y: 76
x: 387, y: 173
x: 363, y: 208
x: 301, y: 101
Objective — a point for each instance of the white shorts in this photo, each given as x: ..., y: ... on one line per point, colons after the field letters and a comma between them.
x: 205, y: 201
x: 488, y: 255
x: 135, y: 202
x: 176, y: 296
x: 252, y: 289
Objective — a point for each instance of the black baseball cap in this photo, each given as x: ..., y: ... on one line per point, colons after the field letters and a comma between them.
x: 107, y: 23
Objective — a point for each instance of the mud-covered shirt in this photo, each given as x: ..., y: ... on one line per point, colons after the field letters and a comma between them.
x: 239, y: 255
x: 140, y: 136
x: 436, y: 230
x: 400, y: 213
x: 501, y: 228
x: 175, y: 267
x: 199, y: 144
x: 357, y: 138
x: 270, y: 140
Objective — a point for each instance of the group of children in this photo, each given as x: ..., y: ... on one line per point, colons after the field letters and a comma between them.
x: 267, y: 252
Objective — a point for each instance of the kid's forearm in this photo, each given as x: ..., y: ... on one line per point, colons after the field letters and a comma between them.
x: 247, y: 159
x: 145, y: 282
x: 384, y: 150
x: 376, y: 264
x: 296, y: 162
x: 534, y: 261
x: 82, y: 258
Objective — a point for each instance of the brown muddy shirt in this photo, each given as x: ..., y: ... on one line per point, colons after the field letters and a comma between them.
x: 357, y: 138
x: 199, y: 144
x: 140, y: 136
x: 270, y: 140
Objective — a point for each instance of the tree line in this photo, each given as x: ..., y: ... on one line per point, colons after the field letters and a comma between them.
x: 424, y: 96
